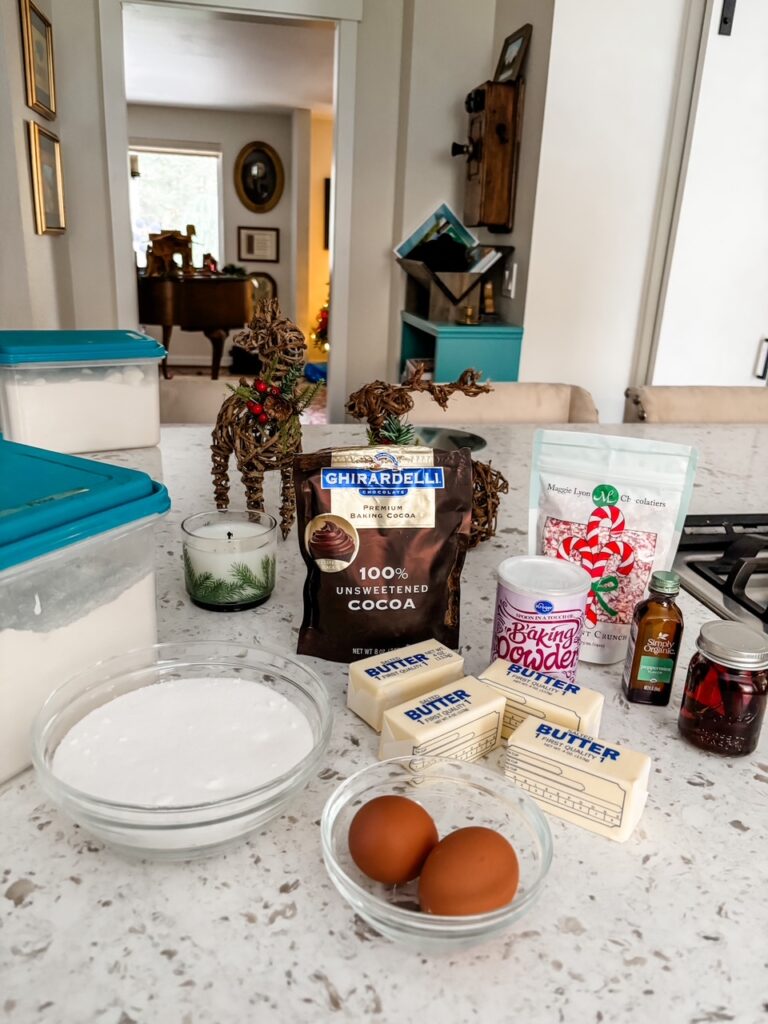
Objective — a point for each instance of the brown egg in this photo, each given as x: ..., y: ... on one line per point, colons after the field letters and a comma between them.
x: 390, y: 838
x: 472, y: 871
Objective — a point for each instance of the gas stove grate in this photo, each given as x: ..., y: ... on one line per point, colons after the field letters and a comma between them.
x: 739, y: 543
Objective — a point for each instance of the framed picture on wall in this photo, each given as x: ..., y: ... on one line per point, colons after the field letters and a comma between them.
x: 37, y: 40
x: 258, y: 245
x: 512, y: 55
x: 47, y: 181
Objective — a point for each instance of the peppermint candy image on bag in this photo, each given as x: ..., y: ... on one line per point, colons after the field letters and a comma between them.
x: 616, y: 507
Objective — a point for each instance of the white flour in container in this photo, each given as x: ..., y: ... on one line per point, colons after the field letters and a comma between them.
x: 33, y: 663
x: 183, y: 742
x: 83, y: 410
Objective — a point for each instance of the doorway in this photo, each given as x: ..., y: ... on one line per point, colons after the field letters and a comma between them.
x: 323, y: 212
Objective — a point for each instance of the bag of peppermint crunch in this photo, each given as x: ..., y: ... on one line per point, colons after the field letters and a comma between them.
x: 615, y: 506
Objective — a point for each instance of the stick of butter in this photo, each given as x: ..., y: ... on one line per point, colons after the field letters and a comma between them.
x: 535, y: 694
x: 462, y: 720
x: 387, y: 680
x: 600, y: 786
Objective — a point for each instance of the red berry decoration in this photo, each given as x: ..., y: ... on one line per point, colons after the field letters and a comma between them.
x: 274, y: 391
x: 263, y: 419
x: 261, y: 387
x: 255, y: 407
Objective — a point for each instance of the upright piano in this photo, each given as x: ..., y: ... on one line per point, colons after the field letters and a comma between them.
x: 214, y: 305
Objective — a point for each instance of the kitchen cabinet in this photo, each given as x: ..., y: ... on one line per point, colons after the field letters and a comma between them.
x: 491, y: 348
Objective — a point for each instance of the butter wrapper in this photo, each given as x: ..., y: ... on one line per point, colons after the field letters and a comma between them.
x: 533, y: 694
x: 462, y: 720
x: 386, y: 680
x: 592, y: 783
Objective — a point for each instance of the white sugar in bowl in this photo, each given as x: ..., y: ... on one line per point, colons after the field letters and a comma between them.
x: 178, y: 750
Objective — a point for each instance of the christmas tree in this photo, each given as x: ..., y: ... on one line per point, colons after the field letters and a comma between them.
x: 319, y: 333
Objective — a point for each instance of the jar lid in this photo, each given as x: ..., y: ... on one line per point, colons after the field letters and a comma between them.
x: 543, y: 576
x: 665, y: 582
x: 733, y: 644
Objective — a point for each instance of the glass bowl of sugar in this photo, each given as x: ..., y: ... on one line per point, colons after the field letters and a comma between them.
x: 176, y: 751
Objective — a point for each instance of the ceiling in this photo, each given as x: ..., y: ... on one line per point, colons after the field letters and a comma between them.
x: 192, y: 58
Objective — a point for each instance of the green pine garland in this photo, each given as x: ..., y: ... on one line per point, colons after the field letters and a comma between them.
x: 393, y: 431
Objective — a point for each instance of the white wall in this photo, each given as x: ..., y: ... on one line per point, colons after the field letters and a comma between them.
x: 373, y: 193
x: 510, y: 16
x: 88, y: 194
x: 33, y: 268
x: 612, y: 73
x: 716, y: 298
x: 230, y: 131
x: 447, y: 49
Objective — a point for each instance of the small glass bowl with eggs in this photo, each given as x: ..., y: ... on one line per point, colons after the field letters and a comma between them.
x: 485, y: 831
x: 176, y: 751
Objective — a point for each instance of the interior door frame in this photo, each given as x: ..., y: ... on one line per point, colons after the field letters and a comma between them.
x: 346, y: 14
x: 692, y: 54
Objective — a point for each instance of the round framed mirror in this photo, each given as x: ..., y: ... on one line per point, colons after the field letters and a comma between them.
x: 259, y: 177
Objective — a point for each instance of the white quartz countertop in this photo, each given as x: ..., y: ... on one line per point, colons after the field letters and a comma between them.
x: 669, y: 927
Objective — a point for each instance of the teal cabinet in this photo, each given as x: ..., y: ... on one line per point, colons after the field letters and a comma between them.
x: 491, y: 348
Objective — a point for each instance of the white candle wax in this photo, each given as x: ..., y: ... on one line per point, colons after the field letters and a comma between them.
x: 230, y: 561
x: 231, y: 530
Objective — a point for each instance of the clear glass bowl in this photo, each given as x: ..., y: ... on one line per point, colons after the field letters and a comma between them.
x: 179, y: 833
x: 457, y: 794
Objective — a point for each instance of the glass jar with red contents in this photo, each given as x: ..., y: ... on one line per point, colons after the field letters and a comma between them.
x: 725, y: 691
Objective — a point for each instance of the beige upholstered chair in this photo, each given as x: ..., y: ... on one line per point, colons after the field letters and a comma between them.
x: 191, y: 399
x: 508, y: 403
x: 695, y: 404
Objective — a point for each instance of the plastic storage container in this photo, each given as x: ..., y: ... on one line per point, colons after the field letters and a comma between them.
x: 80, y: 391
x: 77, y: 581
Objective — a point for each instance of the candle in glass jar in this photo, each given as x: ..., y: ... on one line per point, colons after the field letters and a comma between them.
x: 229, y: 558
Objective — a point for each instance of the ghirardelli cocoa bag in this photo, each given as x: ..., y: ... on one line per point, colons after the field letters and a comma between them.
x: 383, y: 532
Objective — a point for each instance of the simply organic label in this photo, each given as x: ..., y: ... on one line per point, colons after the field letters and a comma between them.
x: 392, y: 487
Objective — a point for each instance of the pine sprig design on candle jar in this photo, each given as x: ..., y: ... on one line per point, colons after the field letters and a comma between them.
x: 245, y: 585
x: 264, y: 583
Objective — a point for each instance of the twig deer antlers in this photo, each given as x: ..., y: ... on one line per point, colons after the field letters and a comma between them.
x: 378, y: 402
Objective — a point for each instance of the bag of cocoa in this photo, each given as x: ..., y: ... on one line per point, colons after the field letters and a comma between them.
x: 383, y: 532
x: 615, y: 506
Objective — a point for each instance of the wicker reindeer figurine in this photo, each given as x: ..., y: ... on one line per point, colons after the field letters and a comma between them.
x: 259, y: 422
x: 384, y: 407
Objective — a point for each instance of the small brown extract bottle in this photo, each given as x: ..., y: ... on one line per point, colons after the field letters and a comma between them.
x: 654, y: 643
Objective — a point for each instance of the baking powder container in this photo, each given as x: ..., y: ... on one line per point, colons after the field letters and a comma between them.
x: 539, y: 616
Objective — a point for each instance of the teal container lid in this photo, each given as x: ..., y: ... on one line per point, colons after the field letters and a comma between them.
x: 49, y: 501
x: 17, y: 347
